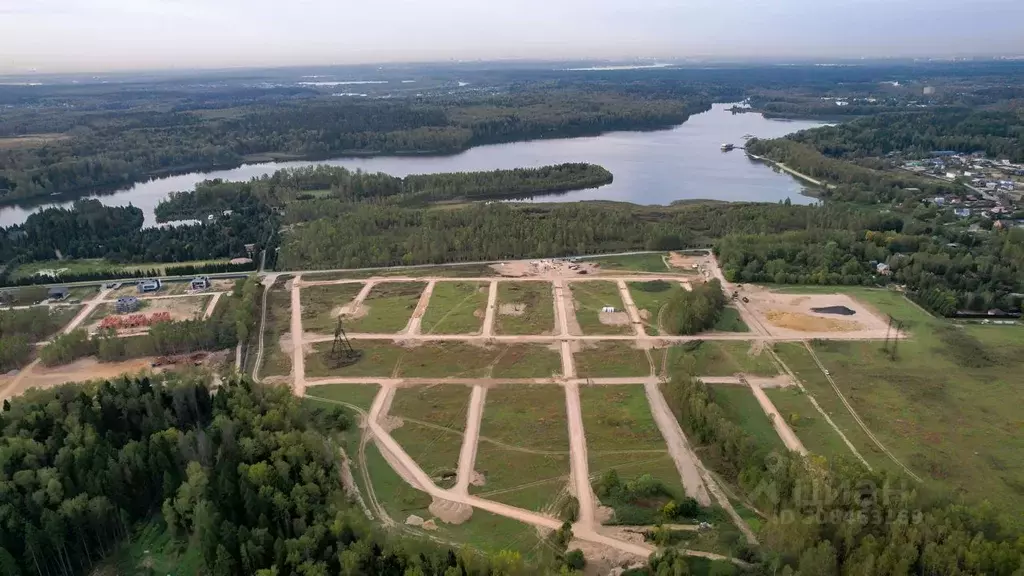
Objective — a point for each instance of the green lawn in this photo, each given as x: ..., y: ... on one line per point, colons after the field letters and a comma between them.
x: 442, y: 405
x: 730, y: 321
x: 610, y: 359
x: 525, y: 308
x: 654, y: 262
x: 379, y: 358
x: 649, y: 298
x: 456, y: 308
x: 277, y: 361
x: 718, y: 358
x: 387, y: 308
x: 589, y: 298
x: 361, y: 395
x: 742, y: 408
x: 523, y: 451
x: 321, y: 305
x: 810, y: 426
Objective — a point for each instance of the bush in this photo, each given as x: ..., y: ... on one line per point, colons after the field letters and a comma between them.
x: 574, y: 559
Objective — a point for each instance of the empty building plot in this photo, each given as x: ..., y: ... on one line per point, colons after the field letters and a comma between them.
x: 650, y: 297
x: 624, y: 443
x: 387, y: 309
x: 598, y: 308
x: 525, y: 308
x: 376, y: 358
x: 742, y: 409
x: 456, y: 308
x: 360, y: 395
x: 610, y: 359
x: 322, y: 305
x: 810, y: 426
x: 428, y: 422
x: 719, y: 358
x: 479, y: 360
x: 522, y: 457
x: 277, y: 337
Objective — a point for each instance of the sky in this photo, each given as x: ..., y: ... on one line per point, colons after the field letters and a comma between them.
x: 104, y: 35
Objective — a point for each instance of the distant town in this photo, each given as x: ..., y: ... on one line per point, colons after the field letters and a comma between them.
x: 997, y: 186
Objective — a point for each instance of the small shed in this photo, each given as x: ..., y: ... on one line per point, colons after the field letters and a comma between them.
x: 58, y: 293
x: 608, y: 309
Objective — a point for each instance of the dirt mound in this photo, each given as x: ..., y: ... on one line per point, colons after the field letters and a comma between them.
x: 840, y: 310
x: 430, y: 525
x: 613, y: 318
x: 350, y: 312
x: 414, y: 520
x: 807, y: 323
x: 512, y: 309
x: 477, y: 479
x: 645, y: 314
x: 450, y: 512
x: 389, y: 423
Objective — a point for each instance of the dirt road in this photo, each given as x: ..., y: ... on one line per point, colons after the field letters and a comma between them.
x: 634, y: 314
x: 467, y: 456
x: 678, y: 447
x: 578, y: 464
x: 213, y: 304
x: 492, y: 305
x: 413, y: 327
x: 298, y: 353
x: 786, y: 434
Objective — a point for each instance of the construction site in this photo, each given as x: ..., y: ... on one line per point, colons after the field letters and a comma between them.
x: 485, y: 416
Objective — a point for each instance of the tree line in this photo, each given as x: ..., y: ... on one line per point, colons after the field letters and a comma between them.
x: 21, y: 329
x: 826, y: 518
x: 694, y: 311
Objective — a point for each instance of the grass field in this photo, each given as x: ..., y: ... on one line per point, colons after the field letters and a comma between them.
x: 360, y: 395
x: 730, y: 321
x: 388, y: 308
x: 443, y: 405
x: 610, y: 359
x: 654, y: 262
x: 537, y: 315
x: 97, y: 265
x: 942, y: 406
x: 379, y: 358
x: 622, y: 435
x: 810, y: 426
x: 741, y: 408
x: 434, y: 420
x: 717, y: 358
x: 523, y: 451
x: 649, y: 298
x: 589, y: 298
x: 464, y: 360
x: 277, y: 361
x: 460, y: 271
x: 321, y: 304
x: 456, y: 308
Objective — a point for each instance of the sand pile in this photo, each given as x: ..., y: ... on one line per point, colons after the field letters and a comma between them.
x: 808, y: 323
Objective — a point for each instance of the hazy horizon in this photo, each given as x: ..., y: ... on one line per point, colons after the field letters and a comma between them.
x: 64, y: 36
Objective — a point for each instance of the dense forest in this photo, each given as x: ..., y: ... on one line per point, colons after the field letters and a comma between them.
x: 322, y: 191
x: 248, y: 476
x: 109, y: 152
x: 21, y: 329
x: 835, y: 517
x: 999, y: 134
x: 90, y: 230
x: 233, y: 321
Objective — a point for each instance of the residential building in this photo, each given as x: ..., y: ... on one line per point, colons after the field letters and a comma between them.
x: 127, y: 304
x: 147, y: 286
x: 200, y: 283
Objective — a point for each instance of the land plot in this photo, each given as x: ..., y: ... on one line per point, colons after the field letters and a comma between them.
x: 429, y: 424
x: 810, y: 426
x: 377, y: 358
x: 456, y: 308
x: 322, y: 305
x: 742, y: 409
x: 590, y: 299
x: 523, y: 454
x: 525, y: 308
x: 387, y: 308
x: 622, y: 436
x: 654, y: 262
x: 719, y: 358
x: 650, y: 297
x: 730, y: 321
x: 610, y: 359
x: 360, y: 395
x: 465, y: 360
x: 277, y: 353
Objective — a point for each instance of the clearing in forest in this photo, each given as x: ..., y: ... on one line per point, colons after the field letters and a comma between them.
x: 277, y: 354
x: 455, y: 308
x: 387, y: 308
x: 525, y: 308
x: 522, y: 457
x: 591, y: 299
x: 610, y: 359
x: 321, y: 305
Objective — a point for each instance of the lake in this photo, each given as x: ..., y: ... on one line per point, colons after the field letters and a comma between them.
x: 658, y: 167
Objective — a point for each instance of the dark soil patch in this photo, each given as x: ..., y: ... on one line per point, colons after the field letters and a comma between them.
x: 841, y: 310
